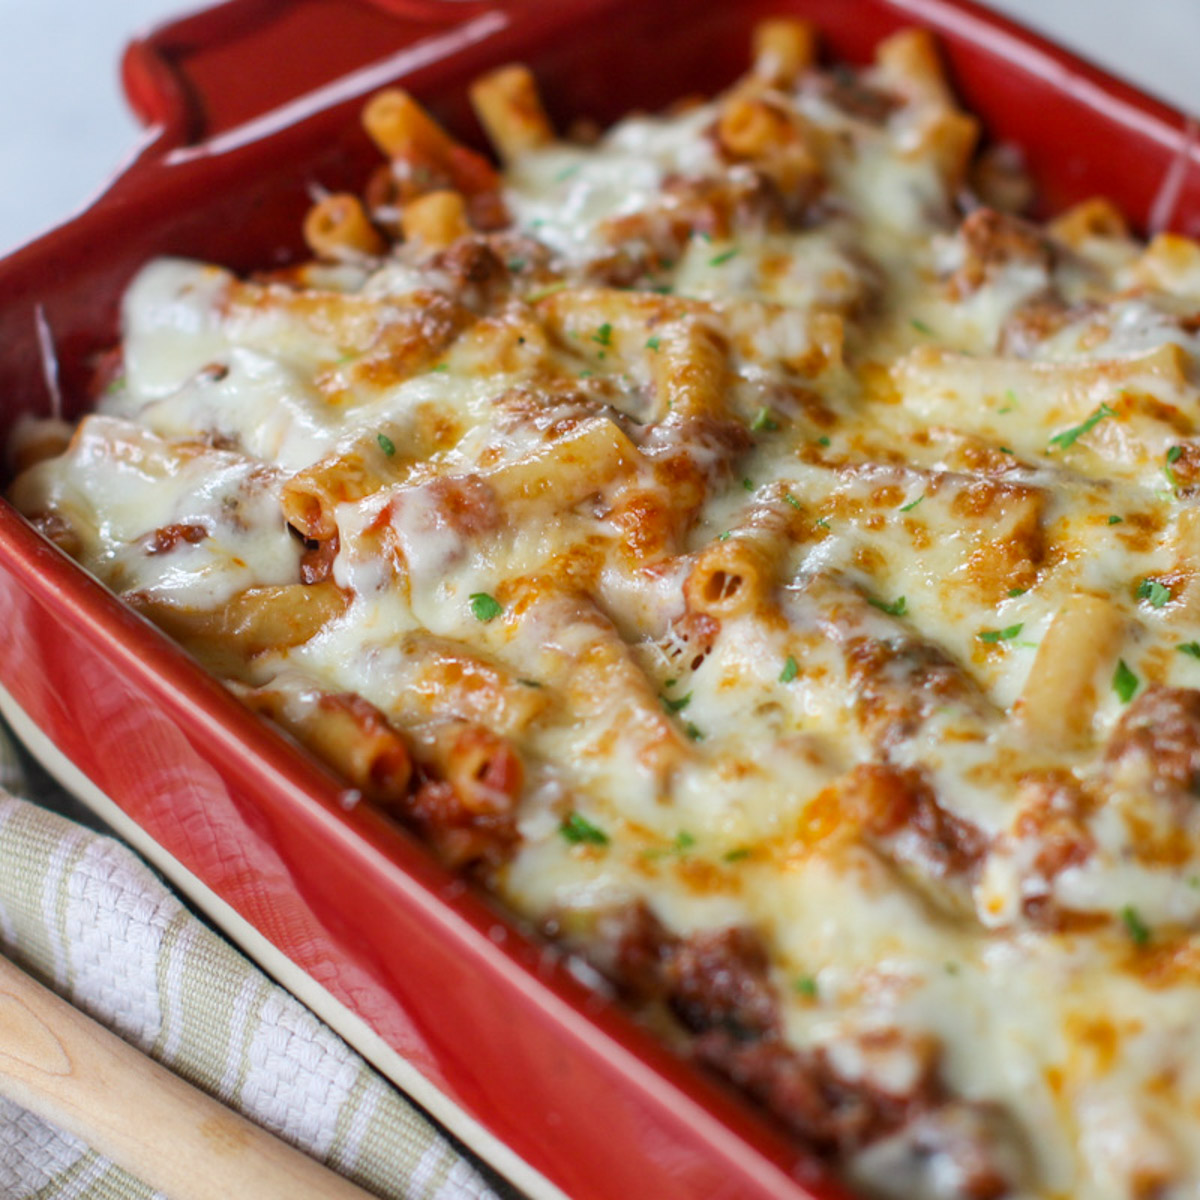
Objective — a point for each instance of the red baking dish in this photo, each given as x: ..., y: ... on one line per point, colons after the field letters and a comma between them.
x: 248, y: 105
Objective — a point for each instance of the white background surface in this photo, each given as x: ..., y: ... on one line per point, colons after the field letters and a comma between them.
x: 64, y: 127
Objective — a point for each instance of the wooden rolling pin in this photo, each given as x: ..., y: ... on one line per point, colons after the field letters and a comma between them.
x: 77, y: 1075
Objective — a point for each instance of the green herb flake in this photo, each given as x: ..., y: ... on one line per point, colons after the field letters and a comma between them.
x: 790, y: 499
x: 1013, y: 593
x: 1069, y: 437
x: 823, y: 522
x: 653, y: 343
x: 683, y: 841
x: 671, y: 683
x: 441, y: 368
x: 1006, y: 449
x: 913, y: 504
x: 1155, y: 591
x: 1138, y: 930
x: 748, y: 484
x: 484, y: 607
x: 551, y: 289
x: 790, y: 670
x: 1190, y: 648
x: 529, y: 683
x: 763, y: 421
x: 724, y: 537
x: 896, y: 609
x: 806, y: 985
x: 603, y: 335
x: 676, y: 705
x: 516, y: 264
x: 567, y: 172
x: 586, y: 374
x: 693, y: 732
x: 1173, y: 456
x: 386, y: 444
x: 737, y: 854
x: 579, y: 831
x: 719, y: 259
x: 1000, y: 635
x: 823, y: 441
x: 1125, y: 682
x: 1113, y: 519
x: 921, y: 327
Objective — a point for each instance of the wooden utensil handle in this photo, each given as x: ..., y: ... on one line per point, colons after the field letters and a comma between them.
x: 66, y: 1068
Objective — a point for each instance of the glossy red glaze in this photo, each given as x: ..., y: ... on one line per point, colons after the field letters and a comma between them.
x: 571, y: 1084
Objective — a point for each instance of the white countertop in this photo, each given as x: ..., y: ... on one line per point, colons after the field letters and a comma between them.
x: 64, y: 127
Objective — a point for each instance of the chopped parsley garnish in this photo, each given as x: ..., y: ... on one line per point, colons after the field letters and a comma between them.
x: 1113, y: 519
x: 1173, y: 456
x: 580, y: 831
x: 693, y: 732
x: 806, y: 985
x: 1155, y: 591
x: 676, y: 705
x: 653, y: 343
x: 1192, y: 648
x: 1000, y: 635
x: 585, y: 374
x: 790, y: 499
x: 516, y: 264
x: 822, y: 522
x: 763, y: 421
x: 484, y: 607
x: 683, y: 841
x: 1006, y: 450
x: 1015, y: 592
x: 603, y: 335
x: 723, y: 257
x: 1011, y: 397
x: 822, y: 441
x: 736, y: 854
x: 550, y: 289
x: 896, y: 609
x: 1125, y: 682
x: 724, y: 537
x: 1138, y: 930
x: 921, y: 327
x: 670, y: 683
x: 790, y: 670
x: 748, y: 484
x: 1069, y: 437
x: 386, y: 444
x: 440, y: 367
x: 912, y: 504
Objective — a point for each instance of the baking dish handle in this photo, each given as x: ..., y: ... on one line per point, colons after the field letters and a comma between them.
x: 196, y: 78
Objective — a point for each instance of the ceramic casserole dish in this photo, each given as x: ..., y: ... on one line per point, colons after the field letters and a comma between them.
x: 496, y: 1036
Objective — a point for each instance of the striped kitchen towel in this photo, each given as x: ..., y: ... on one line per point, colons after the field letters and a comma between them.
x: 88, y: 917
